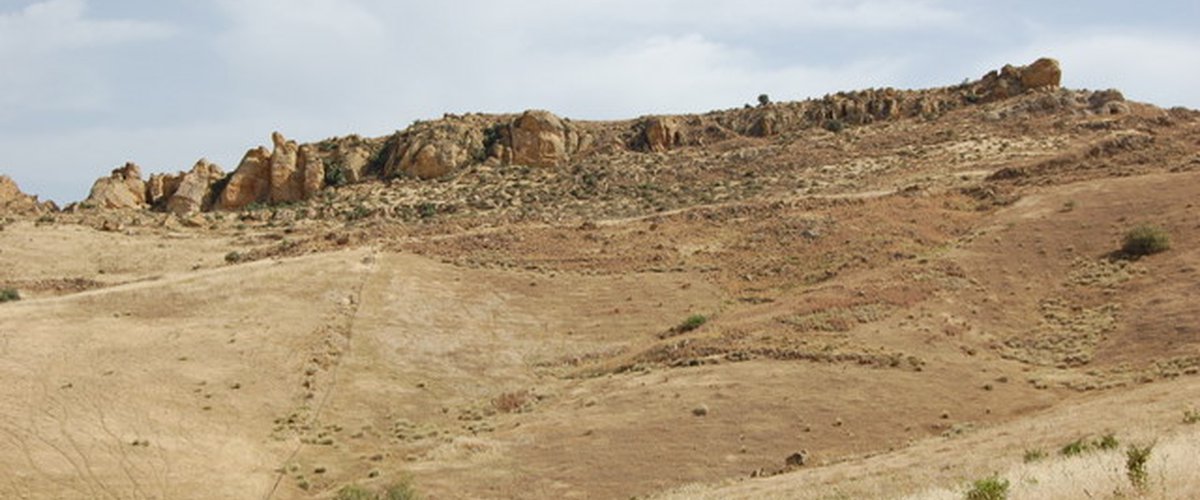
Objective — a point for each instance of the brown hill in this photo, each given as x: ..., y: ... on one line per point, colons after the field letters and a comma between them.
x: 866, y: 295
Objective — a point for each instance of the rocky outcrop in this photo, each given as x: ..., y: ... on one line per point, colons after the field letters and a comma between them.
x: 659, y: 134
x: 250, y: 183
x: 195, y: 190
x: 540, y: 139
x: 161, y: 187
x: 349, y: 158
x: 429, y: 150
x: 13, y: 201
x: 288, y: 173
x: 286, y: 181
x: 1014, y: 80
x: 124, y: 188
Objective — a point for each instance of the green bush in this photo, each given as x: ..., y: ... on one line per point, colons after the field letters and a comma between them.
x: 1145, y: 240
x: 9, y: 295
x: 1136, y: 458
x: 1107, y: 442
x: 992, y: 488
x: 693, y: 322
x: 1076, y: 447
x: 335, y: 175
x: 835, y: 126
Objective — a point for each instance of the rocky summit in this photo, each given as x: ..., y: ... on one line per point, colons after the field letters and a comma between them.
x: 979, y: 289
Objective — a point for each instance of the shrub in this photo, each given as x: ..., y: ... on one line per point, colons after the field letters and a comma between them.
x: 991, y: 488
x: 1145, y: 240
x: 354, y: 492
x: 1076, y: 447
x: 9, y: 295
x: 233, y: 257
x: 1135, y: 466
x: 335, y: 175
x: 1191, y: 416
x: 835, y: 126
x: 1107, y: 442
x: 401, y: 490
x: 764, y: 100
x: 1034, y: 456
x: 693, y: 322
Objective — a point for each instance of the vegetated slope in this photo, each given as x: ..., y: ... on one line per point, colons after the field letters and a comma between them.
x: 913, y: 300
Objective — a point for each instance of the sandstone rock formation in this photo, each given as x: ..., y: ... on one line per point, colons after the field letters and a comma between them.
x: 433, y: 149
x: 659, y: 134
x: 250, y: 183
x: 540, y: 139
x: 288, y: 173
x: 161, y: 187
x: 194, y: 192
x: 13, y: 201
x: 1015, y: 80
x: 123, y: 189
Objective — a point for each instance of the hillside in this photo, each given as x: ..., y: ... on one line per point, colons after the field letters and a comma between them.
x: 909, y: 288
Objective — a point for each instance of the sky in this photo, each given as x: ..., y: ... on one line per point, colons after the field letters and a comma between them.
x: 86, y: 85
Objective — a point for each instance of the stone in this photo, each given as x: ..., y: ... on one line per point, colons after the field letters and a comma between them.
x: 250, y: 183
x: 13, y: 200
x: 435, y: 149
x: 311, y: 168
x: 194, y: 193
x: 660, y: 134
x: 161, y: 187
x: 286, y: 180
x: 124, y: 188
x: 1044, y: 72
x: 540, y: 139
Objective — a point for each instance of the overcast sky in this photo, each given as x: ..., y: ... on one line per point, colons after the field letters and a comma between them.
x: 86, y: 85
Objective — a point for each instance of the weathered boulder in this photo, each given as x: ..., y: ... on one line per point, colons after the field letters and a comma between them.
x: 1014, y: 80
x: 540, y: 139
x: 1044, y: 72
x: 194, y: 193
x: 250, y: 183
x: 124, y: 188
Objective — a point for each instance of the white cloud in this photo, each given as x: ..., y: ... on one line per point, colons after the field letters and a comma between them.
x: 33, y: 41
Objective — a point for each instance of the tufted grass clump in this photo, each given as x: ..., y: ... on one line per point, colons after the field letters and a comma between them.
x: 1145, y: 240
x: 990, y: 488
x: 1136, y: 458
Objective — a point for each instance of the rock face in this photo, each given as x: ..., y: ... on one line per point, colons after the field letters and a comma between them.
x: 660, y: 134
x: 123, y: 189
x: 288, y: 173
x: 540, y: 139
x: 161, y: 187
x: 1044, y: 72
x: 194, y: 191
x: 13, y: 201
x: 429, y: 150
x: 250, y: 183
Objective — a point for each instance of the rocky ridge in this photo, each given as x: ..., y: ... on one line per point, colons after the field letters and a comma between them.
x: 539, y: 140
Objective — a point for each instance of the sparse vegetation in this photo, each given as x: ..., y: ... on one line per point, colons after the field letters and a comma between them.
x: 401, y: 490
x: 834, y: 126
x: 1034, y: 455
x: 1107, y: 442
x: 1145, y: 240
x: 512, y: 402
x: 335, y: 174
x: 1136, y: 458
x: 1191, y: 416
x: 990, y: 488
x: 693, y: 322
x: 9, y: 295
x: 1074, y: 448
x: 233, y: 257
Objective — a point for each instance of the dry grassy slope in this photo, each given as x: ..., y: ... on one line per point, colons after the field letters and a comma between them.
x: 876, y: 299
